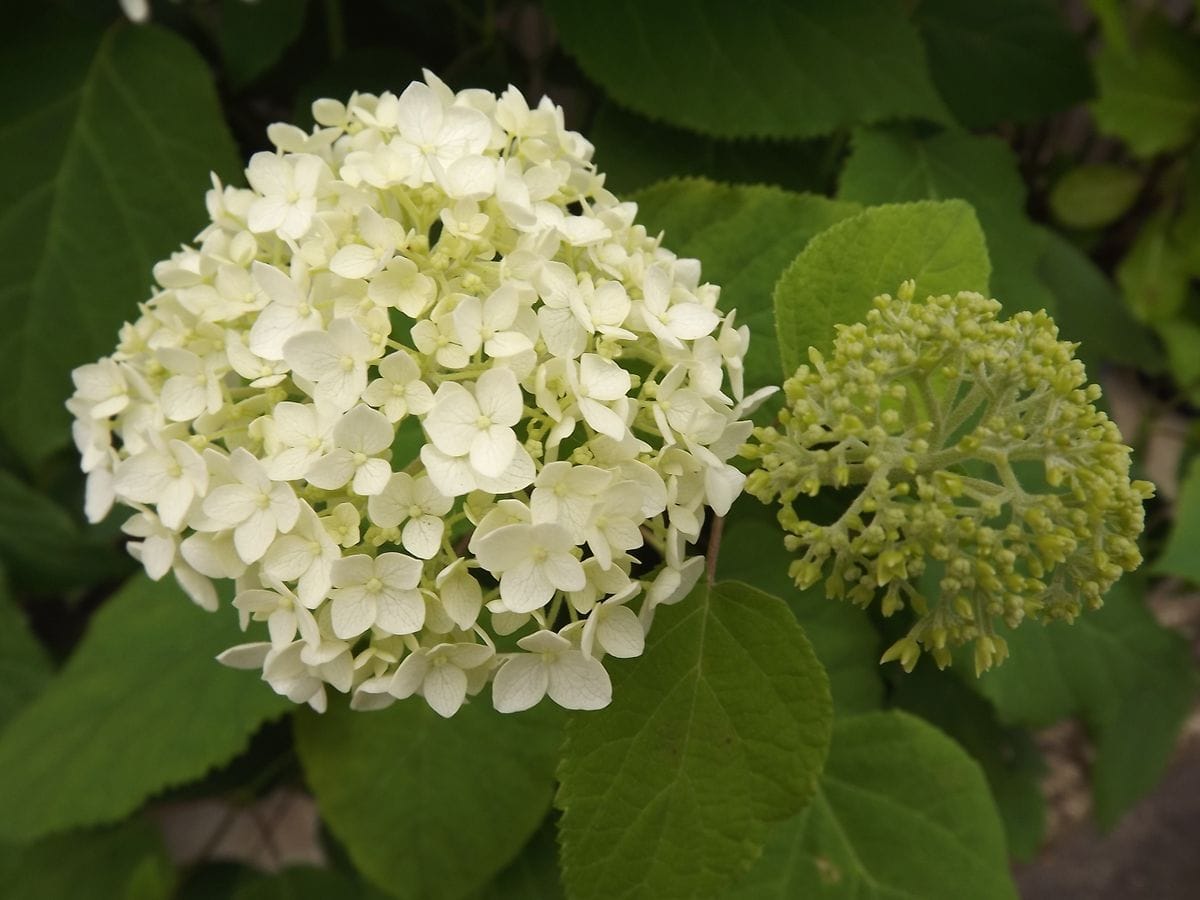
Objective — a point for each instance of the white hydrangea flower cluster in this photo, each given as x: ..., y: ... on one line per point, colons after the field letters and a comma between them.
x: 422, y: 391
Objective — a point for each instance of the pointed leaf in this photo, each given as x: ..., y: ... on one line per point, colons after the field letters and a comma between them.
x: 140, y: 706
x: 718, y: 730
x: 24, y: 664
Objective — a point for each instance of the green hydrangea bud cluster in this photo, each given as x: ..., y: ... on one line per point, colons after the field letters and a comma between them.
x: 990, y: 487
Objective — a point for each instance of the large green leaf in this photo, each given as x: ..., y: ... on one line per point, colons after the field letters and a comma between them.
x: 1089, y: 310
x: 744, y: 236
x: 718, y: 730
x: 834, y: 280
x: 426, y: 806
x: 45, y: 549
x: 107, y: 145
x: 1150, y: 97
x: 634, y: 152
x: 127, y: 862
x: 253, y: 36
x: 889, y: 167
x: 1182, y: 554
x: 842, y: 635
x: 901, y: 813
x: 1002, y: 60
x: 1008, y: 756
x: 770, y: 68
x: 24, y: 665
x: 533, y: 875
x: 140, y: 706
x: 1131, y: 680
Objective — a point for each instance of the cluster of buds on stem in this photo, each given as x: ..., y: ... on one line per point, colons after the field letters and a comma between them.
x: 988, y: 486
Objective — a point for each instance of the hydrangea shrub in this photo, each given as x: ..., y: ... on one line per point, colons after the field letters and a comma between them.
x: 423, y: 391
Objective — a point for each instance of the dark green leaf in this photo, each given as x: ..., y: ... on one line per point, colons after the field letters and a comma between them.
x: 744, y: 236
x: 1150, y: 97
x: 426, y: 806
x: 891, y: 167
x: 719, y: 729
x: 771, y: 68
x: 1009, y: 758
x: 901, y: 812
x: 1002, y: 60
x: 140, y: 706
x: 1131, y: 680
x: 842, y: 635
x: 24, y: 665
x: 300, y: 883
x: 1089, y: 310
x: 634, y: 152
x: 253, y: 36
x: 126, y: 128
x: 1182, y: 554
x: 45, y: 549
x: 1094, y: 195
x: 127, y: 862
x: 842, y: 269
x: 533, y: 875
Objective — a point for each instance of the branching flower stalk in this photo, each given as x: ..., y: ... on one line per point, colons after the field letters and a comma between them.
x: 989, y: 487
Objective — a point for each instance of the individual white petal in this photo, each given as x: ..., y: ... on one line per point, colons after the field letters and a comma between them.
x: 401, y: 612
x: 354, y: 261
x: 353, y: 612
x: 371, y: 477
x: 453, y: 476
x: 578, y: 682
x: 230, y: 504
x: 332, y: 471
x: 409, y: 676
x: 525, y: 587
x: 423, y: 536
x: 492, y: 450
x: 620, y: 632
x: 245, y: 656
x: 519, y: 684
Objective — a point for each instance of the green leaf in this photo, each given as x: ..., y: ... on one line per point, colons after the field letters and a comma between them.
x: 901, y: 812
x: 1003, y: 60
x: 720, y: 728
x: 1182, y: 554
x: 299, y: 883
x: 1150, y: 98
x: 426, y: 806
x: 140, y: 706
x: 1089, y: 310
x: 1181, y: 338
x: 24, y: 665
x: 1094, y: 194
x: 841, y: 634
x: 892, y: 167
x: 744, y: 236
x: 1008, y: 756
x: 45, y: 549
x: 253, y: 36
x: 127, y: 862
x: 126, y: 127
x: 1131, y: 680
x: 1154, y: 275
x: 774, y: 68
x: 533, y: 875
x: 845, y: 267
x: 634, y: 152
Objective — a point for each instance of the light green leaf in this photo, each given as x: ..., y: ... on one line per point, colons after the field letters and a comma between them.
x: 1089, y: 310
x: 426, y: 806
x: 1094, y: 194
x: 845, y: 267
x: 841, y: 634
x: 1002, y: 60
x: 1131, y: 680
x: 901, y: 813
x: 24, y: 664
x: 1154, y: 275
x: 45, y: 549
x: 1150, y: 97
x: 127, y: 862
x: 126, y: 127
x: 892, y: 167
x: 253, y: 36
x: 634, y: 152
x: 1008, y: 756
x: 1182, y: 554
x: 772, y: 68
x: 140, y: 706
x: 1181, y: 339
x: 743, y: 236
x: 718, y: 730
